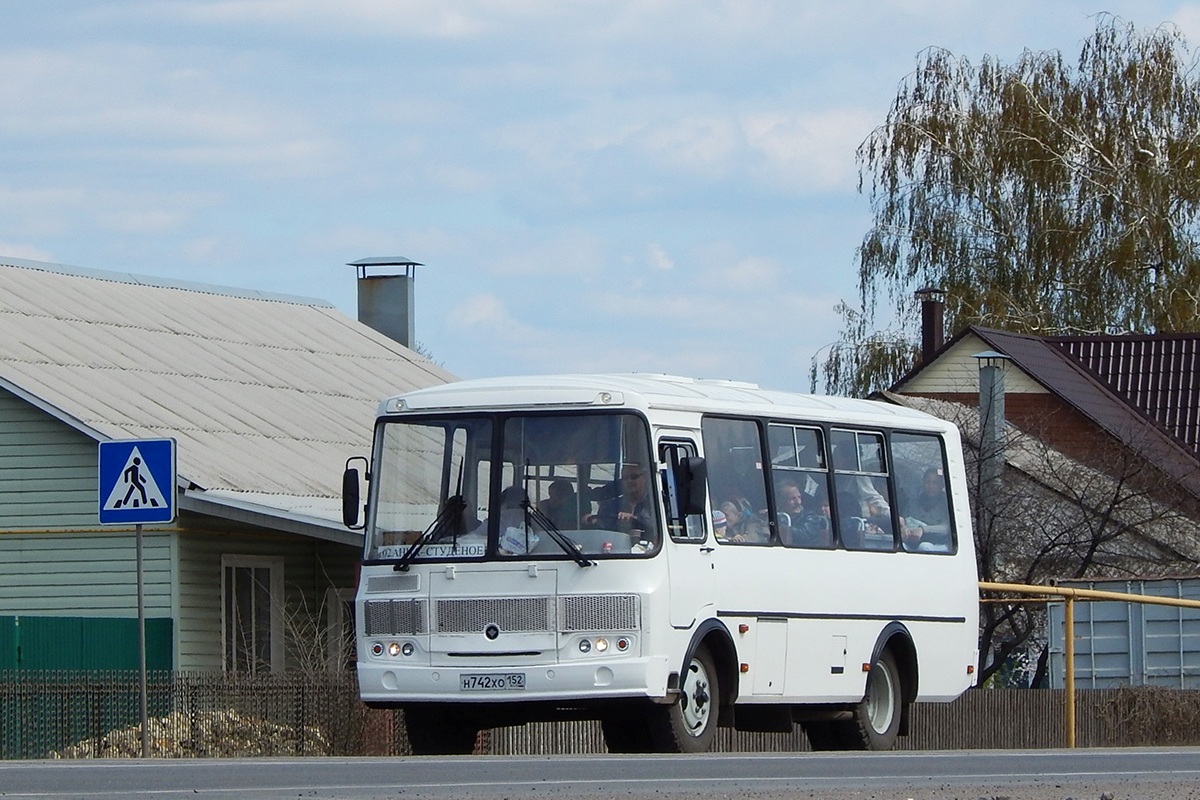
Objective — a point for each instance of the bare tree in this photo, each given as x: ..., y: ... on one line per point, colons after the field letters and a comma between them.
x: 1054, y: 517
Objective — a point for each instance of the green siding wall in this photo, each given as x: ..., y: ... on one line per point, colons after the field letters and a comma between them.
x: 47, y: 470
x: 84, y: 574
x: 8, y: 643
x: 83, y: 643
x: 58, y: 566
x: 310, y: 567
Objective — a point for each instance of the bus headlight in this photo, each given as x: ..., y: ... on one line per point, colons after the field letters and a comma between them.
x: 407, y: 648
x: 601, y: 645
x: 585, y: 646
x: 393, y: 649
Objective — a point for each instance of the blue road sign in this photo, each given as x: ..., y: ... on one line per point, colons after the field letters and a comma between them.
x: 137, y: 481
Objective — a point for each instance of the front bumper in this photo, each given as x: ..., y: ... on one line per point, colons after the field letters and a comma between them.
x: 593, y: 679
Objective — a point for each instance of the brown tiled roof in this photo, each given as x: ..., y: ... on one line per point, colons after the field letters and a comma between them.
x: 1159, y: 375
x: 1129, y: 396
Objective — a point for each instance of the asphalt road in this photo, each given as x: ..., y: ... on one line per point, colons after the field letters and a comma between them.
x: 1153, y: 774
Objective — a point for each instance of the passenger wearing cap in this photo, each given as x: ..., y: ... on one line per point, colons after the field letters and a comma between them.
x: 718, y: 523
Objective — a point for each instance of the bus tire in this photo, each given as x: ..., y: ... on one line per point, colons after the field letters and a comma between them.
x: 689, y: 725
x: 875, y: 722
x: 437, y: 731
x: 626, y: 734
x: 822, y: 734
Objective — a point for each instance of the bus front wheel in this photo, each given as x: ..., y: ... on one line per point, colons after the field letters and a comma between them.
x: 437, y: 731
x: 689, y: 725
x: 626, y: 734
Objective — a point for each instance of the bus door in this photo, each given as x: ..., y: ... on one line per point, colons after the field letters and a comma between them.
x: 689, y: 554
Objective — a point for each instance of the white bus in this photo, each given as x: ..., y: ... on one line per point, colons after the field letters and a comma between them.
x: 664, y: 555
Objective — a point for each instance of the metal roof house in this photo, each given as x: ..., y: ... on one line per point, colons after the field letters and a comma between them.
x: 1096, y: 453
x: 1083, y: 394
x: 266, y: 396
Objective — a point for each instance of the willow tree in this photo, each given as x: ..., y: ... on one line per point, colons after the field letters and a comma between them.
x: 1040, y: 196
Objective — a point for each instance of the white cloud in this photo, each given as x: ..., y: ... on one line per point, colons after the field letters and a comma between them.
x: 142, y: 220
x: 1187, y: 19
x: 403, y: 18
x: 814, y: 151
x: 569, y: 252
x: 488, y: 314
x: 704, y: 146
x: 657, y: 257
x: 137, y: 103
x: 27, y: 251
x: 746, y: 275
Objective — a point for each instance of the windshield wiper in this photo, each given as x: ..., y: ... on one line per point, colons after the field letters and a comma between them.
x: 455, y: 505
x: 532, y: 514
x: 451, y: 514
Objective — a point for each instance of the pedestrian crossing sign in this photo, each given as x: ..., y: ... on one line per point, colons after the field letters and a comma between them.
x: 137, y: 481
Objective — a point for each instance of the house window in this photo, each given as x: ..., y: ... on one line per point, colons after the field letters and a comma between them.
x: 340, y: 638
x: 251, y: 613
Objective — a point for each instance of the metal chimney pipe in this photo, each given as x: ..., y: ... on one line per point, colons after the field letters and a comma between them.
x: 385, y: 302
x: 991, y: 438
x: 933, y: 312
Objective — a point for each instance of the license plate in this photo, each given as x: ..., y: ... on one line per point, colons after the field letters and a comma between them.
x: 492, y: 681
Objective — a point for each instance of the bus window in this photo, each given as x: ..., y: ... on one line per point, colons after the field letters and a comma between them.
x: 862, y: 496
x: 736, y: 479
x: 923, y: 496
x: 686, y: 528
x: 801, y: 485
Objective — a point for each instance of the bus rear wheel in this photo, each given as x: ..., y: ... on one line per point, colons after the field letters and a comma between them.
x: 689, y: 725
x: 875, y: 722
x: 437, y: 731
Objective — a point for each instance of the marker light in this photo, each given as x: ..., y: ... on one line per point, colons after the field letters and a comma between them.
x: 584, y: 645
x: 622, y: 644
x: 407, y: 649
x: 393, y: 649
x: 377, y: 649
x: 601, y: 645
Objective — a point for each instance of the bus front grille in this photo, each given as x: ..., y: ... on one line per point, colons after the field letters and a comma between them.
x: 383, y: 617
x: 600, y: 612
x: 587, y: 612
x: 512, y: 614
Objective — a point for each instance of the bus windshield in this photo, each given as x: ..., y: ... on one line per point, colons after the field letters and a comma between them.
x: 513, y: 486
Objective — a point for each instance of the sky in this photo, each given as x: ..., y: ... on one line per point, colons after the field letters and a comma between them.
x: 652, y: 186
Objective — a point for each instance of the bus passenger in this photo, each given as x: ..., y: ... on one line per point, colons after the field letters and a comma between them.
x: 562, y: 506
x: 798, y: 526
x: 926, y: 524
x: 742, y: 525
x: 631, y: 511
x: 719, y: 524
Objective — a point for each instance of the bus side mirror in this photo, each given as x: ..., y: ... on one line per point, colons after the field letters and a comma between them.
x: 692, y: 480
x: 351, y: 494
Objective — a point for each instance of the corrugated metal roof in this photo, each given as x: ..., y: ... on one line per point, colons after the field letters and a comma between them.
x: 1158, y: 375
x: 266, y: 395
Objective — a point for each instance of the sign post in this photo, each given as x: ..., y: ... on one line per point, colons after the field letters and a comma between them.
x: 137, y: 486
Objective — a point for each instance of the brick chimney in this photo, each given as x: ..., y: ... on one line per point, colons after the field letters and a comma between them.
x: 933, y: 312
